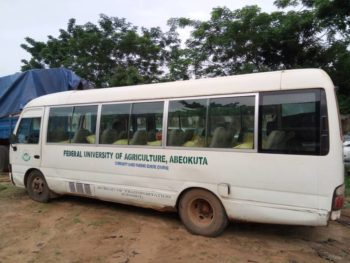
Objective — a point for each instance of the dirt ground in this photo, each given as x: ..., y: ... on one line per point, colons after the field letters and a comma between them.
x: 72, y: 229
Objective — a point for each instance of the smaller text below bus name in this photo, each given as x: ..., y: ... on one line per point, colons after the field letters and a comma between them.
x: 142, y: 165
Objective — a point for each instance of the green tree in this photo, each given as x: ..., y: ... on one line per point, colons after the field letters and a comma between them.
x: 303, y: 33
x: 107, y: 53
x: 333, y: 17
x: 249, y: 40
x: 334, y: 14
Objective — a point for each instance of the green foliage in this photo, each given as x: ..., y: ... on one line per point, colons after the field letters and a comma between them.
x: 347, y: 185
x: 285, y: 3
x: 248, y: 40
x: 10, y: 191
x: 105, y: 53
x: 344, y: 103
x: 125, y: 76
x: 333, y: 15
x: 302, y: 34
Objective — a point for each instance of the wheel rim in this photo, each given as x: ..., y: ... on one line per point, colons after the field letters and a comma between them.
x: 38, y: 185
x: 201, y: 212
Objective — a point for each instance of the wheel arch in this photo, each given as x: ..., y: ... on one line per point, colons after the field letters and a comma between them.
x: 186, y: 190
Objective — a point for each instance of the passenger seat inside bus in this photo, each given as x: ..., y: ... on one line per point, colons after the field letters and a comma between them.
x: 247, y: 143
x: 123, y: 135
x: 58, y: 136
x: 152, y: 138
x: 176, y: 138
x: 151, y: 135
x: 109, y: 136
x: 221, y: 138
x: 188, y: 135
x: 80, y: 136
x: 122, y: 138
x: 277, y: 140
x: 139, y: 138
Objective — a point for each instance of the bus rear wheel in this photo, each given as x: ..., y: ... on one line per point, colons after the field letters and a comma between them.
x: 202, y: 213
x: 37, y: 187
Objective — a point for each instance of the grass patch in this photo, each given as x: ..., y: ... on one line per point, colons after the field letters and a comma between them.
x: 40, y: 207
x: 44, y: 233
x: 100, y: 222
x: 2, y: 187
x: 76, y: 220
x: 347, y: 185
x: 347, y: 191
x: 7, y: 190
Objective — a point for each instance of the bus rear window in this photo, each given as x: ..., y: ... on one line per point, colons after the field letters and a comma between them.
x: 293, y: 122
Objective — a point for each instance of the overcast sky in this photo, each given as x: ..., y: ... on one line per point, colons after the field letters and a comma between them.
x: 40, y: 18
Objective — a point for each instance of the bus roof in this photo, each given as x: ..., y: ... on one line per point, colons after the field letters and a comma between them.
x: 247, y: 83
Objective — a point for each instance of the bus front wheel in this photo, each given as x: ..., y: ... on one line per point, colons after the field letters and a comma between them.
x: 37, y: 187
x: 202, y: 213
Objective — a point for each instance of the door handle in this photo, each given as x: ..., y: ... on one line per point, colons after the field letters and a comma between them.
x: 37, y: 156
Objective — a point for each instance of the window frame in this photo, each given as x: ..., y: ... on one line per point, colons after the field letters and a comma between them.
x: 131, y: 102
x: 322, y: 109
x: 99, y: 118
x: 206, y: 102
x: 73, y: 112
x: 130, y: 122
x: 47, y: 118
x: 31, y: 125
x: 165, y: 122
x: 218, y: 96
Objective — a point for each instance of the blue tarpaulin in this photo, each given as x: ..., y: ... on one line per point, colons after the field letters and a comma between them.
x: 18, y: 89
x: 7, y: 125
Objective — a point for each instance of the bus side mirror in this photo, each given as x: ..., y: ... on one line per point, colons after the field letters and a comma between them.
x: 13, y: 140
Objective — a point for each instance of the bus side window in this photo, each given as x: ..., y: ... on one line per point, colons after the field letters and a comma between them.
x: 114, y: 124
x: 290, y: 122
x: 58, y: 130
x: 84, y: 124
x: 187, y: 123
x: 146, y: 123
x: 231, y: 122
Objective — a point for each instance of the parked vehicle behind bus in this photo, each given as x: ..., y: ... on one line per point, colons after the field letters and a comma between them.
x: 346, y: 151
x: 18, y: 89
x: 262, y: 147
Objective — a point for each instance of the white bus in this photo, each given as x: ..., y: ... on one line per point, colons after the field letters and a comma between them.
x: 262, y: 147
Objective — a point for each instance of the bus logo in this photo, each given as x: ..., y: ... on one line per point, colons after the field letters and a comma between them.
x: 26, y: 157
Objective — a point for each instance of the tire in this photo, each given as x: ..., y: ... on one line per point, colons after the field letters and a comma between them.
x: 4, y: 158
x: 37, y: 187
x: 202, y: 213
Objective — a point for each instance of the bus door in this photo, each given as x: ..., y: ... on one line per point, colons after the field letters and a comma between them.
x: 25, y: 150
